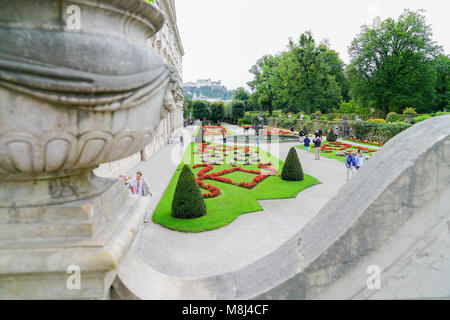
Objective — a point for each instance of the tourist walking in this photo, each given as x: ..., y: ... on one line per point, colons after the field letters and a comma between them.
x: 141, y: 188
x: 224, y: 137
x: 317, y: 145
x: 306, y: 143
x: 360, y: 159
x: 182, y: 141
x: 320, y: 132
x: 350, y: 163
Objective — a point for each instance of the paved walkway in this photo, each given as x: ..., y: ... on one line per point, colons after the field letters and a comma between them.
x: 248, y: 238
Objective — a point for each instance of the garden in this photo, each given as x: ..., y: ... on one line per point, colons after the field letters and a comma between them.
x: 232, y: 179
x: 339, y: 150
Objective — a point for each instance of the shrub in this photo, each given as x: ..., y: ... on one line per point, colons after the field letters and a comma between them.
x: 330, y: 116
x: 331, y: 137
x: 378, y: 132
x: 292, y: 170
x: 188, y: 202
x: 393, y: 117
x: 410, y: 110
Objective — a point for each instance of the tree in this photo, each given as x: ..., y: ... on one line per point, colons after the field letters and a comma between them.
x: 217, y: 112
x: 391, y: 63
x: 188, y: 202
x: 242, y: 94
x: 292, y: 169
x: 187, y: 106
x: 267, y: 83
x: 200, y: 109
x: 237, y: 110
x: 441, y: 65
x: 331, y: 137
x: 309, y: 75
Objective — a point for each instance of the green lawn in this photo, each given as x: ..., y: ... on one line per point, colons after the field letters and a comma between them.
x: 233, y: 200
x: 332, y: 155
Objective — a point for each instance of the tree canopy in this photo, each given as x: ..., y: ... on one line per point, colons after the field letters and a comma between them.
x: 391, y: 63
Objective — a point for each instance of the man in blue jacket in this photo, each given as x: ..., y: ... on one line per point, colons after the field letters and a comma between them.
x: 350, y: 163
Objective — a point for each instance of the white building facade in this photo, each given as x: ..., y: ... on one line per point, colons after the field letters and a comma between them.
x: 167, y: 43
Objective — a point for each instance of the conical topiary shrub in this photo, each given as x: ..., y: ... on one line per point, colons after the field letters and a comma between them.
x: 292, y: 170
x: 331, y: 137
x: 188, y: 202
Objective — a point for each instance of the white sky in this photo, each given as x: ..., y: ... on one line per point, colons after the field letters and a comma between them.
x: 224, y: 38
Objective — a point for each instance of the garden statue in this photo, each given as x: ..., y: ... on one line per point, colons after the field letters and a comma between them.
x: 259, y: 123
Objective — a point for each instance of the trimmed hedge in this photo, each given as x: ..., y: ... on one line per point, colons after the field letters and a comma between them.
x: 379, y: 132
x: 331, y: 137
x: 292, y: 169
x: 188, y: 202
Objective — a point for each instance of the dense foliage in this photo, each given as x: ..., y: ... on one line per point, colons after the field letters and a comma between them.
x: 307, y: 77
x: 392, y: 64
x: 395, y: 64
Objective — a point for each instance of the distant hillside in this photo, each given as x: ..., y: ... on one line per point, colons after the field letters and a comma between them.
x: 207, y: 89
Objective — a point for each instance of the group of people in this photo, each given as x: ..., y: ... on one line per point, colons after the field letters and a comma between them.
x: 139, y: 186
x: 317, y: 141
x: 352, y: 162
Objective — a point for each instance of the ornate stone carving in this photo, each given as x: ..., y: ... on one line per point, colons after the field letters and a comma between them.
x: 71, y: 99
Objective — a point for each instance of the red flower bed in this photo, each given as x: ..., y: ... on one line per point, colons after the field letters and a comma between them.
x: 202, y: 148
x: 218, y: 176
x: 339, y: 146
x: 214, y: 130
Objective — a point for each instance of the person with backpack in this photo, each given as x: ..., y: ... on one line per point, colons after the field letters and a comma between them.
x: 317, y: 145
x: 306, y: 143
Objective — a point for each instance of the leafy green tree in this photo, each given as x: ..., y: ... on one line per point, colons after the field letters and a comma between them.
x: 217, y: 112
x: 391, y: 63
x: 187, y: 106
x: 292, y: 169
x: 267, y: 83
x: 201, y: 109
x: 307, y: 71
x: 441, y: 65
x: 241, y: 94
x: 188, y: 202
x: 237, y: 110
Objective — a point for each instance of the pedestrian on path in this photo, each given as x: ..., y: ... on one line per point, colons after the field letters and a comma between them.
x: 350, y: 163
x: 360, y: 159
x: 182, y: 141
x: 141, y: 188
x: 306, y: 143
x: 317, y: 145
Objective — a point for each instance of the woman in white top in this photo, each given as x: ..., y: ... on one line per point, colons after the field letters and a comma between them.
x: 360, y: 159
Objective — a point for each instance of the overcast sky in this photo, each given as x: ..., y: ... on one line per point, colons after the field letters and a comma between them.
x: 224, y: 38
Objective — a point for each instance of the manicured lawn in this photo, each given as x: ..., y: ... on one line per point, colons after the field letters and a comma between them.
x: 233, y: 200
x: 332, y: 155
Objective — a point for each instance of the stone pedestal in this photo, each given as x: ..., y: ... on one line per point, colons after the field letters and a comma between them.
x: 70, y: 100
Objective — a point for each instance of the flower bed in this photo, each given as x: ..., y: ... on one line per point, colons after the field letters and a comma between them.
x: 331, y: 147
x: 365, y: 142
x: 218, y: 176
x: 214, y: 130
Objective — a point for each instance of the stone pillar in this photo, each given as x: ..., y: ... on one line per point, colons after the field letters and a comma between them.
x: 62, y: 114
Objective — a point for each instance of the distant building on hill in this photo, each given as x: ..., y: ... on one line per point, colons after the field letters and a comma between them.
x: 206, y: 89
